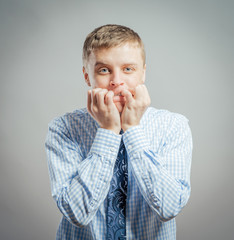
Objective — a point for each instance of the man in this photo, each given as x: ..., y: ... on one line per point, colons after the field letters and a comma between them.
x: 119, y: 169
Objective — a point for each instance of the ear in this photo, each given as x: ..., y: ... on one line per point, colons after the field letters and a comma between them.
x: 86, y: 76
x: 144, y: 69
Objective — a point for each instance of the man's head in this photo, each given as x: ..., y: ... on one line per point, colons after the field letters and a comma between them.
x: 114, y: 59
x: 109, y: 36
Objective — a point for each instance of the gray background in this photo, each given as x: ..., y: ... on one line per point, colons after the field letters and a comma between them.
x: 190, y: 62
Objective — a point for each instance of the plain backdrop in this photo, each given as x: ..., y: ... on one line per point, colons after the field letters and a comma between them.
x: 190, y: 70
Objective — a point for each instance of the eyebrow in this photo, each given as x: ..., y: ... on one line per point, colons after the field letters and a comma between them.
x: 102, y: 63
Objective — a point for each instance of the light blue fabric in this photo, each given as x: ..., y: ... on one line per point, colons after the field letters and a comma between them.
x: 81, y: 158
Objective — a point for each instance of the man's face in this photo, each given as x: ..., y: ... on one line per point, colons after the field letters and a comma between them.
x: 115, y: 69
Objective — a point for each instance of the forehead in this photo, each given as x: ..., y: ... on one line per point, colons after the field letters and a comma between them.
x: 117, y: 55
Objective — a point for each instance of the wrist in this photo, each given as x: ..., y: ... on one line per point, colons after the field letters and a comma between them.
x: 125, y: 127
x: 115, y: 130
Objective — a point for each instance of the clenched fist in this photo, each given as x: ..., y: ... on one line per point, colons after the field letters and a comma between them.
x: 102, y: 108
x: 135, y: 106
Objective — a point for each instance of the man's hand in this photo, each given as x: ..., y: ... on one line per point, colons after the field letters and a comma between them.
x: 135, y: 106
x: 102, y: 108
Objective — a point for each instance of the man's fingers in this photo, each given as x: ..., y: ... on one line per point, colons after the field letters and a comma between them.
x: 100, y: 96
x: 139, y: 91
x: 109, y: 97
x: 119, y: 99
x: 142, y: 94
x: 102, y: 108
x: 128, y: 96
x: 97, y: 99
x: 94, y: 95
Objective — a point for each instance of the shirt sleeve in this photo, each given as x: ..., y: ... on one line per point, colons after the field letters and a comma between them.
x: 79, y: 185
x: 163, y: 176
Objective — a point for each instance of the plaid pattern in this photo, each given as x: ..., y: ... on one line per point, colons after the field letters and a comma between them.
x: 81, y: 158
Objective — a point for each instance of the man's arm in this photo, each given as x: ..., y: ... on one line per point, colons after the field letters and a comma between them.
x: 80, y: 183
x: 163, y: 176
x: 164, y: 180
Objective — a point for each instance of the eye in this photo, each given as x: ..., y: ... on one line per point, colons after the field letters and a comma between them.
x: 128, y: 69
x: 103, y: 70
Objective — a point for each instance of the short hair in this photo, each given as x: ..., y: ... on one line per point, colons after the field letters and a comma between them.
x: 108, y: 36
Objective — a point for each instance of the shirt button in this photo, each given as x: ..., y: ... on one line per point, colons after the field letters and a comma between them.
x: 130, y: 147
x: 112, y: 149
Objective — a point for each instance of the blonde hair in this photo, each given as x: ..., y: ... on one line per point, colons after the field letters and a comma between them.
x: 108, y: 36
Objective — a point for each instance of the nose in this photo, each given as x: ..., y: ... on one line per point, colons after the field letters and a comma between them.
x: 116, y: 80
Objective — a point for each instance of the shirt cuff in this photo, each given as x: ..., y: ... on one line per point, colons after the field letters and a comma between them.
x: 134, y: 140
x: 106, y: 143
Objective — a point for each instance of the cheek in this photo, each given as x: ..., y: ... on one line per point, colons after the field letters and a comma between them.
x: 100, y: 82
x: 135, y: 80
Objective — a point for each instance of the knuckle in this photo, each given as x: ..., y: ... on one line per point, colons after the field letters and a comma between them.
x: 94, y: 109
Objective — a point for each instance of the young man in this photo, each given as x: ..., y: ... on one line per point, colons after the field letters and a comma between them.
x: 119, y: 169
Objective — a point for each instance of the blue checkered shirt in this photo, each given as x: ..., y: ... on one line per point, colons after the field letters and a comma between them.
x: 81, y: 158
